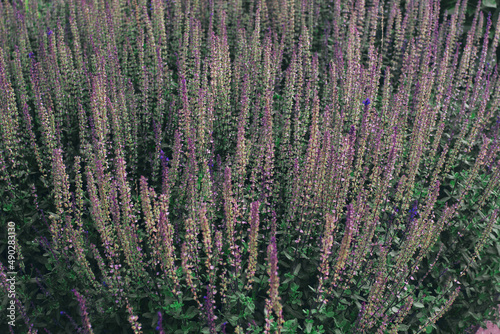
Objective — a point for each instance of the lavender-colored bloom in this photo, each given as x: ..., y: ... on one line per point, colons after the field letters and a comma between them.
x: 49, y: 32
x: 413, y: 211
x: 163, y: 158
x: 366, y: 102
x: 159, y: 327
x: 209, y: 309
x: 224, y: 327
x: 30, y: 54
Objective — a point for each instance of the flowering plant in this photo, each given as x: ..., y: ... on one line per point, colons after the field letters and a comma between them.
x: 267, y: 166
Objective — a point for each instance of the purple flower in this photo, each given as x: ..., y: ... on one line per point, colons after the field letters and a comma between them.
x: 163, y: 158
x: 366, y: 102
x: 352, y: 130
x: 31, y: 54
x: 413, y: 211
x: 224, y: 327
x: 160, y: 319
x: 49, y: 32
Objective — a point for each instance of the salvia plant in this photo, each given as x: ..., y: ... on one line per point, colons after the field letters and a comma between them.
x: 264, y: 166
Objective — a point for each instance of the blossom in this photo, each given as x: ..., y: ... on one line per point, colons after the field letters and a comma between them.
x: 366, y: 102
x: 413, y: 211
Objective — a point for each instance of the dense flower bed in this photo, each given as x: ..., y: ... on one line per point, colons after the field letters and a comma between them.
x: 284, y: 166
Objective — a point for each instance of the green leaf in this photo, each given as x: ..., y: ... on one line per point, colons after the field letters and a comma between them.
x: 250, y: 307
x: 418, y: 305
x: 233, y: 320
x: 288, y: 256
x: 402, y: 327
x: 290, y: 326
x: 358, y: 297
x: 191, y: 312
x: 297, y: 269
x: 309, y: 326
x: 489, y: 4
x: 429, y: 299
x: 148, y: 315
